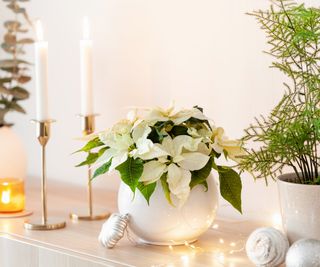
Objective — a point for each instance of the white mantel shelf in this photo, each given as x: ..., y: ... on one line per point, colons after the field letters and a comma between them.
x: 77, y: 244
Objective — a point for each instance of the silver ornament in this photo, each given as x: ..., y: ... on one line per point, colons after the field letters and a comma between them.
x: 113, y: 229
x: 304, y: 253
x: 267, y: 247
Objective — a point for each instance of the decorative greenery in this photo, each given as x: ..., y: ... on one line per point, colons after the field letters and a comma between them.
x: 177, y: 148
x: 289, y: 136
x: 13, y: 69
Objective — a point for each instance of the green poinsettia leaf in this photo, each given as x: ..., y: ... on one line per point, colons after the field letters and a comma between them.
x: 147, y: 190
x: 200, y: 176
x: 178, y: 130
x: 130, y: 171
x: 205, y: 184
x: 230, y: 187
x: 165, y: 187
x: 91, y: 145
x: 91, y: 158
x: 102, y: 169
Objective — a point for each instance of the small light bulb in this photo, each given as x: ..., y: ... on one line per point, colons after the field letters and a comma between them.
x: 215, y: 226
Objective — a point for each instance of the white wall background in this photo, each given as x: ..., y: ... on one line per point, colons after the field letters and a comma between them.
x: 146, y: 53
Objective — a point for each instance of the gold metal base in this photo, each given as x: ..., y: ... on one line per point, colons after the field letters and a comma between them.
x: 52, y: 224
x: 83, y: 215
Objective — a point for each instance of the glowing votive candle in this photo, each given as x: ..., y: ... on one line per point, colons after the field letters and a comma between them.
x: 12, y: 197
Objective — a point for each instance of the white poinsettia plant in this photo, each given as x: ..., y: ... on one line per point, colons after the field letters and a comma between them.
x: 164, y: 147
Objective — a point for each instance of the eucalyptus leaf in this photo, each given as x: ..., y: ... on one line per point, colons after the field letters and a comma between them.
x: 12, y: 25
x: 230, y: 187
x: 147, y: 190
x: 23, y: 79
x: 15, y: 106
x: 10, y: 39
x: 4, y: 90
x: 10, y: 63
x: 5, y: 80
x: 25, y: 41
x: 16, y: 8
x: 19, y: 93
x: 130, y: 171
x: 8, y: 48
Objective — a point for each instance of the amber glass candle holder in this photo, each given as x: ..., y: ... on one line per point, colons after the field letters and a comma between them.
x: 12, y: 197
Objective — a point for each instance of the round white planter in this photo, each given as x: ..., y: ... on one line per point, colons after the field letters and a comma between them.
x: 300, y: 208
x: 162, y: 224
x: 13, y: 159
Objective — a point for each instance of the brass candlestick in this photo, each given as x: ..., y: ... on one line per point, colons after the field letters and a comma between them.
x: 43, y: 223
x: 88, y: 127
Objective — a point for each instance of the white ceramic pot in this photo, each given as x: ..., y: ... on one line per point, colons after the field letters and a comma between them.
x: 162, y: 224
x: 300, y: 208
x: 13, y: 159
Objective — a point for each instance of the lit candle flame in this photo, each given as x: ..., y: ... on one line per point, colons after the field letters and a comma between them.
x: 5, y: 198
x: 86, y: 28
x: 39, y: 30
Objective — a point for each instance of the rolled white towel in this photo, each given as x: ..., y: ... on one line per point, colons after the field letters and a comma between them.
x: 113, y: 229
x: 267, y: 247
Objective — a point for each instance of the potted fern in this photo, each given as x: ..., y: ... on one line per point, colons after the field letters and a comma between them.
x: 13, y: 77
x: 289, y: 136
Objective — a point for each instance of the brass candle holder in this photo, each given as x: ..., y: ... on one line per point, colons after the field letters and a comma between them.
x: 43, y: 223
x: 88, y: 127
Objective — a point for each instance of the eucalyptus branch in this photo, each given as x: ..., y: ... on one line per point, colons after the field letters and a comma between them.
x: 13, y: 69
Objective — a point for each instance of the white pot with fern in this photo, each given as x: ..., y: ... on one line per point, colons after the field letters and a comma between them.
x: 165, y: 159
x: 289, y: 136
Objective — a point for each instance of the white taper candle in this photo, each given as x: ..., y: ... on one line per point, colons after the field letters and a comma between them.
x: 41, y: 74
x: 86, y: 70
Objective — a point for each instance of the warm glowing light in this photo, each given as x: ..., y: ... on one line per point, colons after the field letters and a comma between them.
x: 185, y: 260
x: 85, y: 28
x: 232, y: 244
x: 5, y: 198
x: 277, y: 220
x: 12, y: 197
x: 39, y: 30
x: 221, y: 241
x: 170, y: 247
x: 219, y: 256
x: 215, y: 226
